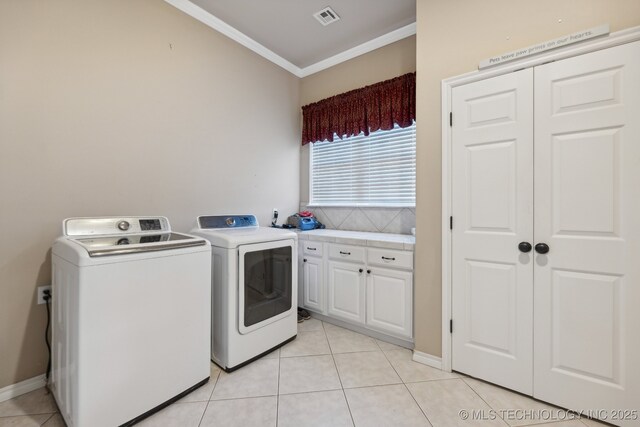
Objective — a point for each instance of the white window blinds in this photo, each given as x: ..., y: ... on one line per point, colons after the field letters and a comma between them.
x: 374, y: 170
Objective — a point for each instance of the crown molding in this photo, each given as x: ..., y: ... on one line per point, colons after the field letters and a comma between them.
x: 217, y: 24
x: 378, y: 42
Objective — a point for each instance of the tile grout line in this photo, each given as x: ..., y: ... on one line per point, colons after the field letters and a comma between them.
x: 404, y: 384
x: 385, y: 385
x: 260, y: 396
x: 392, y: 219
x: 210, y: 395
x: 327, y: 217
x: 370, y: 220
x: 547, y: 423
x: 215, y: 384
x: 27, y: 415
x: 344, y: 394
x: 345, y: 218
x: 48, y: 419
x: 203, y: 412
x: 327, y: 354
x: 485, y: 402
x: 419, y: 407
x: 278, y: 390
x: 389, y: 361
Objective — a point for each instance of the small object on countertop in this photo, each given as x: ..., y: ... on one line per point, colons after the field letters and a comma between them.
x: 307, y: 223
x: 304, y: 220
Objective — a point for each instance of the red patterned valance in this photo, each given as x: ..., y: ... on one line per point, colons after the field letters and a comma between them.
x: 368, y: 109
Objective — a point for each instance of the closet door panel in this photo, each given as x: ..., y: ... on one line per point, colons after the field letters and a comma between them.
x: 587, y: 210
x: 492, y: 206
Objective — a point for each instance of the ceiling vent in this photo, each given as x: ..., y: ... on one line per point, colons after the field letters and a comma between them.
x: 326, y: 16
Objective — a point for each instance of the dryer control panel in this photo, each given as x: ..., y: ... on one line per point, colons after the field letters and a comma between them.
x: 227, y: 221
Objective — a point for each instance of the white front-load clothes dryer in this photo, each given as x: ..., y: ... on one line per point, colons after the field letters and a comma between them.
x: 131, y: 318
x: 254, y: 287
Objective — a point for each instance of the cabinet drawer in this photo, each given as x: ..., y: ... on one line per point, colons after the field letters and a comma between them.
x: 312, y: 248
x: 346, y: 252
x: 390, y: 258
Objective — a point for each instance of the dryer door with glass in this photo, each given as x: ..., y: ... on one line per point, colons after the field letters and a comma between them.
x: 267, y: 285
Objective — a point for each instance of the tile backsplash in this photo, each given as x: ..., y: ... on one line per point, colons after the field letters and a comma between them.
x: 382, y: 220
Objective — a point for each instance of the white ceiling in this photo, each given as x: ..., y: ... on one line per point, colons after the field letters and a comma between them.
x: 286, y: 32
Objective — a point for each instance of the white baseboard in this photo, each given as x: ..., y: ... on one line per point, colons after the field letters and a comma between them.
x: 427, y: 359
x: 23, y: 387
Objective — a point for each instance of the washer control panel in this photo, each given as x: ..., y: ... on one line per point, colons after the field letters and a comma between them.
x: 227, y: 221
x: 103, y: 226
x: 154, y: 224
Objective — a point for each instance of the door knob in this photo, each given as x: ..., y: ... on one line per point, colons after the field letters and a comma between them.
x: 304, y: 260
x: 525, y: 247
x: 542, y: 248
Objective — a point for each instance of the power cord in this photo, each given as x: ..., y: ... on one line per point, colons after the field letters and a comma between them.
x: 46, y: 295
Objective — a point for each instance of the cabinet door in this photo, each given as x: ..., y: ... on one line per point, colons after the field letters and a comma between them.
x: 312, y: 284
x: 346, y: 291
x: 492, y: 207
x: 587, y: 210
x: 390, y: 301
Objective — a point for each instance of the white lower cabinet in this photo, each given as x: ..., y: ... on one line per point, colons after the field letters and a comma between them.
x: 389, y: 300
x: 313, y: 283
x: 346, y: 291
x: 366, y: 286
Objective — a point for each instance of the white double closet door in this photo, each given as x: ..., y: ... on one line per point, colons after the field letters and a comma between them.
x: 550, y: 155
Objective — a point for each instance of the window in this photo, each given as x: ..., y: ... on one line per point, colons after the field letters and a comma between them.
x: 374, y: 170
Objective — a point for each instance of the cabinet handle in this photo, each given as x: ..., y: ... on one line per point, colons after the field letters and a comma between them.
x: 368, y: 271
x: 388, y: 259
x: 311, y: 249
x: 304, y: 260
x: 360, y: 270
x: 345, y: 253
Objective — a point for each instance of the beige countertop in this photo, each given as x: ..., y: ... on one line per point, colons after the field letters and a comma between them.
x: 362, y: 238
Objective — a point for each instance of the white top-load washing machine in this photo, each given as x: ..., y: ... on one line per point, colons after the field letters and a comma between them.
x: 131, y: 318
x: 255, y: 287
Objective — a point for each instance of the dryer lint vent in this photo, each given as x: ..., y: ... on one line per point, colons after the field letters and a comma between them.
x: 326, y: 16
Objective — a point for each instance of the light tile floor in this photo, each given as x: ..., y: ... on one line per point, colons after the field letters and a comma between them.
x: 328, y: 376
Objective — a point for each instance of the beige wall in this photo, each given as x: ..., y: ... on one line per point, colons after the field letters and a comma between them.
x: 126, y: 107
x: 384, y: 63
x: 117, y: 107
x: 381, y: 64
x: 453, y: 36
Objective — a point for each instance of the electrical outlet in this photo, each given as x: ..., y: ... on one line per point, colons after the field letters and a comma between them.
x: 41, y: 290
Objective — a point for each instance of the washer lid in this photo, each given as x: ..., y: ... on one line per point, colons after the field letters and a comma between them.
x: 103, y: 236
x: 136, y: 243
